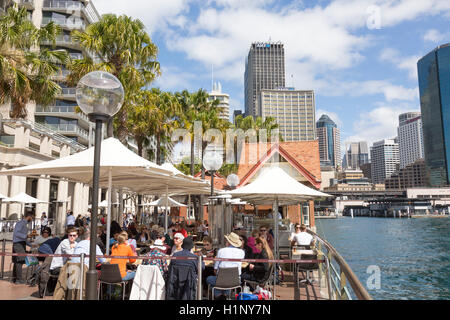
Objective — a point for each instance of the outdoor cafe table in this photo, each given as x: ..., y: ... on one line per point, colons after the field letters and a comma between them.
x: 297, y: 254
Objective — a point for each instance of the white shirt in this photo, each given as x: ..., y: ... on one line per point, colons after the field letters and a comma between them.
x: 231, y: 253
x: 70, y: 220
x: 63, y: 248
x: 302, y: 238
x: 83, y: 247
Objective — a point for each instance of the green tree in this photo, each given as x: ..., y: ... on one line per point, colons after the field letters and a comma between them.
x: 124, y: 49
x: 25, y: 70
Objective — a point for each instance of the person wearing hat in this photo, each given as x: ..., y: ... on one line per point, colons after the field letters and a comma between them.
x: 157, y: 249
x: 231, y: 251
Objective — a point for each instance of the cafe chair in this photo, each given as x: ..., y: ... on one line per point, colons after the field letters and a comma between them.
x: 308, y: 267
x: 266, y: 281
x: 227, y: 279
x: 110, y: 275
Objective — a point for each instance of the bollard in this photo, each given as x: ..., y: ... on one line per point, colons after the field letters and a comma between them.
x: 3, y: 257
x: 81, y: 275
x: 200, y: 285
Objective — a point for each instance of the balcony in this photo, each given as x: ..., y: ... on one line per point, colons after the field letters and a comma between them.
x: 61, y: 111
x: 76, y: 56
x: 68, y: 129
x: 66, y: 6
x: 29, y: 4
x: 67, y: 23
x: 61, y: 75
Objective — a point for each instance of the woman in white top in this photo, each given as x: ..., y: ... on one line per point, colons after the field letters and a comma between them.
x: 178, y: 241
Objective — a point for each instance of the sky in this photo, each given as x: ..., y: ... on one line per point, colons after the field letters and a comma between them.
x: 359, y: 56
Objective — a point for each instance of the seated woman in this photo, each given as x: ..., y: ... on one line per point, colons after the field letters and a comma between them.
x: 251, y: 241
x: 259, y: 270
x: 207, y: 249
x: 248, y: 251
x: 121, y: 248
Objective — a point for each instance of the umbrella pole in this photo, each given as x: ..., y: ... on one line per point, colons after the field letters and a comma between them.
x: 275, y: 219
x: 167, y: 205
x: 108, y: 217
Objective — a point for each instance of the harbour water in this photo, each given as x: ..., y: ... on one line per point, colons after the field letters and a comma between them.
x: 413, y: 255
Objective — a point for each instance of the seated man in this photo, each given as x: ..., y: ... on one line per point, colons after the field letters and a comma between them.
x: 300, y: 237
x: 67, y: 246
x: 231, y: 251
x: 183, y: 285
x: 84, y: 246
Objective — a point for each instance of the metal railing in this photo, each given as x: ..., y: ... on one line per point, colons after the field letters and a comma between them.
x: 69, y: 128
x: 69, y: 5
x: 342, y: 283
x: 27, y: 3
x: 69, y: 23
x: 62, y: 109
x: 44, y: 129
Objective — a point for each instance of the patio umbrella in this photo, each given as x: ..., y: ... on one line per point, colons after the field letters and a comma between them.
x: 23, y: 199
x: 274, y: 186
x: 2, y: 198
x: 118, y: 164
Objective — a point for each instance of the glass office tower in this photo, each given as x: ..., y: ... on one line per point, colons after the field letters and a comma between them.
x: 434, y: 86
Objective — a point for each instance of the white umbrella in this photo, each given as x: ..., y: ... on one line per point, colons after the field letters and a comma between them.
x: 118, y: 164
x: 166, y: 202
x: 275, y: 186
x: 23, y: 199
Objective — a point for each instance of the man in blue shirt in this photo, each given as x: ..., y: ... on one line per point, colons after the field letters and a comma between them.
x: 20, y: 241
x: 70, y: 221
x: 83, y: 247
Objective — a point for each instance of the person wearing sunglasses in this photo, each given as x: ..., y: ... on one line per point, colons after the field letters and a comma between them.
x: 67, y: 246
x: 178, y: 242
x: 264, y: 233
x: 300, y: 237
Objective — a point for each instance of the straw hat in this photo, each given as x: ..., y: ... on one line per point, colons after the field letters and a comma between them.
x: 155, y: 227
x: 233, y: 239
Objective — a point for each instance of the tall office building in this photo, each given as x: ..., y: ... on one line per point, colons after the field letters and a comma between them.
x: 329, y: 142
x: 434, y: 87
x: 224, y: 100
x: 293, y: 110
x: 410, y: 141
x: 356, y: 155
x: 385, y: 159
x: 264, y: 69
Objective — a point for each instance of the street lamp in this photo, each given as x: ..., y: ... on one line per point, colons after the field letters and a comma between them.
x: 233, y: 180
x: 99, y: 95
x: 212, y: 161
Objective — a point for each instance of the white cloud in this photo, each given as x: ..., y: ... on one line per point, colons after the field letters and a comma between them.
x: 434, y: 35
x: 409, y: 64
x: 379, y: 123
x: 155, y: 14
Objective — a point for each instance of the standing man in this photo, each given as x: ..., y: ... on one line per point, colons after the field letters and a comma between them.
x: 70, y: 221
x: 44, y: 221
x: 20, y: 241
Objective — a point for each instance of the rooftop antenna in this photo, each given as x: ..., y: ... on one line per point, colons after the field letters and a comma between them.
x: 212, y: 77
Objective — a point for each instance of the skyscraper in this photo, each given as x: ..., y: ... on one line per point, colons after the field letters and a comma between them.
x: 356, y: 155
x: 329, y: 142
x: 264, y: 69
x: 434, y: 87
x: 385, y: 160
x: 410, y: 141
x: 293, y: 110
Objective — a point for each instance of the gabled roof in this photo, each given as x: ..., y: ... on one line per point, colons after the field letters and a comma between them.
x: 302, y: 155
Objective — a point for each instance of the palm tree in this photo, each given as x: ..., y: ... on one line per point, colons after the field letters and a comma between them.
x: 25, y: 71
x: 125, y: 50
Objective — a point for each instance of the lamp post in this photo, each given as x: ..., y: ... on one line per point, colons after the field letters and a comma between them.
x: 99, y: 95
x: 212, y: 161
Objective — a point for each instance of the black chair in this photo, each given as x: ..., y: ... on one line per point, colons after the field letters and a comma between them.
x: 308, y: 267
x: 48, y: 262
x: 227, y: 279
x: 110, y: 274
x: 266, y: 281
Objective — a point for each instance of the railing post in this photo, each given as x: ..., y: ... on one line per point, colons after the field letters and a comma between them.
x: 3, y: 257
x: 342, y: 294
x: 81, y: 275
x: 330, y: 293
x: 200, y: 285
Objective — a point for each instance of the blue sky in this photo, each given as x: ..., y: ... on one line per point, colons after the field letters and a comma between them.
x: 359, y: 56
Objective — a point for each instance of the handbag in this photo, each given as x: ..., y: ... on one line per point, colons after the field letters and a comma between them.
x: 31, y: 261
